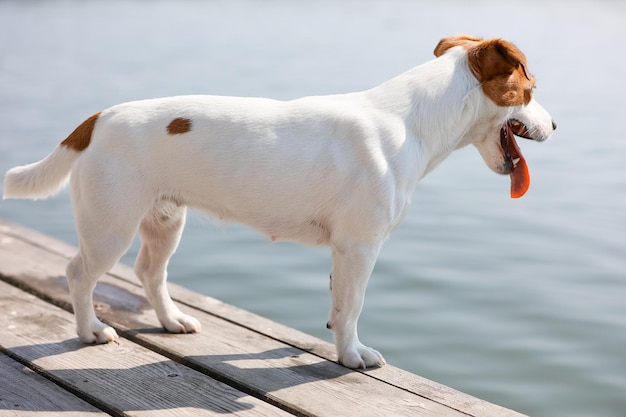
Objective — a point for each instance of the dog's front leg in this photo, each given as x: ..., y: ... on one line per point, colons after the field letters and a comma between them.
x: 351, y: 270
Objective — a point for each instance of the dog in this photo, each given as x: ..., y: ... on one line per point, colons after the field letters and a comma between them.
x: 334, y: 170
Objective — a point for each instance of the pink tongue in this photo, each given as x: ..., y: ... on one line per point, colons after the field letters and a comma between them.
x: 520, y: 176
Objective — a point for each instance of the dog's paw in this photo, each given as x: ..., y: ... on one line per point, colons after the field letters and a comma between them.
x: 182, y: 323
x: 98, y: 333
x: 361, y: 357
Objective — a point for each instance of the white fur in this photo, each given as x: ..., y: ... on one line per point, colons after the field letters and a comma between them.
x: 335, y: 170
x: 40, y: 179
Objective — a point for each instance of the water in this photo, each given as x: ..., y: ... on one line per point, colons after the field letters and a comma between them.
x: 519, y: 302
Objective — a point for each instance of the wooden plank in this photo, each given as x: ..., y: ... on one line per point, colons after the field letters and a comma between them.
x: 422, y: 388
x: 123, y: 378
x: 269, y: 369
x: 24, y: 393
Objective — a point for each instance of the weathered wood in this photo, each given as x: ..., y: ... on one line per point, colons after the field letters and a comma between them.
x: 23, y: 393
x: 256, y: 355
x: 269, y: 369
x: 117, y: 378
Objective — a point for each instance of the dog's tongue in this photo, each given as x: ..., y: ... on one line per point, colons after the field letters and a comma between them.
x: 520, y: 176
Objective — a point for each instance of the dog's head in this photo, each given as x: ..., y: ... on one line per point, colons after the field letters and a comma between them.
x: 502, y: 73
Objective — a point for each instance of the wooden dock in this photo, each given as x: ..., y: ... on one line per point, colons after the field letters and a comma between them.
x: 240, y: 364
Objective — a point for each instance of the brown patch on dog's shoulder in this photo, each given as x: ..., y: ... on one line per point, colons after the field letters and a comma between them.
x: 80, y: 138
x: 179, y: 126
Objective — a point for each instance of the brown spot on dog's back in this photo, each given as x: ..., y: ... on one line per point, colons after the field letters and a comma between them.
x: 179, y: 126
x: 80, y: 138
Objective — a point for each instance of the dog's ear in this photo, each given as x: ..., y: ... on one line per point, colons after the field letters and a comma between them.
x: 452, y: 41
x: 501, y: 69
x: 494, y: 57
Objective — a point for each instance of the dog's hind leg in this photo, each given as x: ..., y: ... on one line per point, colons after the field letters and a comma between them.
x: 102, y: 241
x: 352, y: 267
x: 160, y: 232
x: 109, y: 201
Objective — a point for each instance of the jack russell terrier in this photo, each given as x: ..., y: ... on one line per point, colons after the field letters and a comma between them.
x: 333, y: 170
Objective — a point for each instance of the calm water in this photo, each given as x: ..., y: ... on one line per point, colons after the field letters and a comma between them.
x: 519, y: 302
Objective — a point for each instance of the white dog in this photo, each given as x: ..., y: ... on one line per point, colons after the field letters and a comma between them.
x: 335, y: 170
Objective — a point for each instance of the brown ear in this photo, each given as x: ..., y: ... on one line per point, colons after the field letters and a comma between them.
x: 452, y: 41
x: 494, y: 57
x: 501, y: 69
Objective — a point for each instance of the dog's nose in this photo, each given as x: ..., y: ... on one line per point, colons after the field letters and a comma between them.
x: 553, y: 125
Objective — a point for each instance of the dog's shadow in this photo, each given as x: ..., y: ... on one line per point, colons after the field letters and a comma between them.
x: 164, y: 384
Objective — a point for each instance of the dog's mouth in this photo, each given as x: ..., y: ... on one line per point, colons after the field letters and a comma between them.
x: 514, y: 161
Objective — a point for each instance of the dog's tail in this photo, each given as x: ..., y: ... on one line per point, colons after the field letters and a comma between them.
x: 46, y: 177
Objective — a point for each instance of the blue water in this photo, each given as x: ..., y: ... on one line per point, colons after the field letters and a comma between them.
x: 519, y: 302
